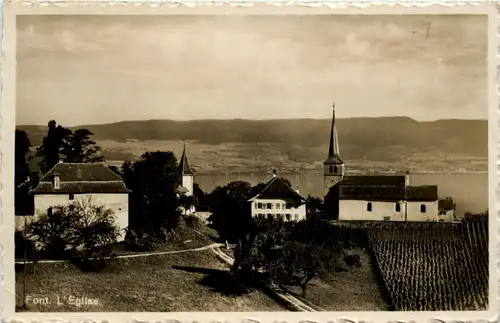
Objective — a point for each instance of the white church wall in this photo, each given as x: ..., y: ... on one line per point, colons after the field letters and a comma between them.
x: 277, y: 208
x: 359, y: 210
x: 422, y: 211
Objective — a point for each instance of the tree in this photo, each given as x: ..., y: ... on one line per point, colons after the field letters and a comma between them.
x: 154, y: 202
x: 230, y: 209
x: 81, y: 229
x: 314, y: 205
x: 22, y: 199
x: 80, y: 148
x: 53, y: 145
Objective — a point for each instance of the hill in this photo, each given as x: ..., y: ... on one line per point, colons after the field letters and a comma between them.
x: 298, y: 143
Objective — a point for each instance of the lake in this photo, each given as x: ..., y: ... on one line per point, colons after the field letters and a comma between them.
x: 469, y: 190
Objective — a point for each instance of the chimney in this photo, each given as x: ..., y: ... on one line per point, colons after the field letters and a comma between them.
x: 407, y: 178
x: 274, y: 173
x: 56, y: 181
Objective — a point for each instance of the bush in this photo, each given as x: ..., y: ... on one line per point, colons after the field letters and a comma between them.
x: 80, y: 230
x: 193, y: 222
x: 139, y: 241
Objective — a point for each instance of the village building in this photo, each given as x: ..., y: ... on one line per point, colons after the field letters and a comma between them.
x: 375, y: 197
x: 446, y: 208
x: 89, y: 183
x: 187, y: 182
x: 278, y: 200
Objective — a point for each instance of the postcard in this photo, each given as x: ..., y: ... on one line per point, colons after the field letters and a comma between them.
x: 264, y: 162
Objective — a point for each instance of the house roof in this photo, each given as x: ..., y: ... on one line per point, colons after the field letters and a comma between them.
x: 422, y: 193
x: 445, y: 205
x: 184, y: 168
x: 377, y: 180
x: 81, y: 178
x: 277, y: 188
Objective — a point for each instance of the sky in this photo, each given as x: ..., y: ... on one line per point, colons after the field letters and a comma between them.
x: 102, y: 69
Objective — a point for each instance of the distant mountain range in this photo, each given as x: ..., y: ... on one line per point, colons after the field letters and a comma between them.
x: 394, y: 140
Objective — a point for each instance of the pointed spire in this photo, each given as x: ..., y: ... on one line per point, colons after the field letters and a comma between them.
x: 184, y: 168
x: 333, y: 150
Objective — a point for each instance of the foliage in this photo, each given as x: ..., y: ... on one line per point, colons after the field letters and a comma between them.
x: 139, y: 241
x: 72, y: 146
x: 231, y: 210
x: 433, y: 266
x: 280, y: 253
x: 81, y: 230
x: 314, y: 206
x: 24, y: 203
x: 154, y: 202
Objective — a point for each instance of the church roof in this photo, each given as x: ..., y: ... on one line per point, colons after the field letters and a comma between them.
x: 379, y: 180
x: 81, y: 178
x: 277, y: 188
x: 184, y: 168
x: 372, y: 192
x: 422, y: 193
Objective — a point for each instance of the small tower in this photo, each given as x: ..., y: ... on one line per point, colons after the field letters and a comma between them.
x: 186, y: 173
x: 333, y: 166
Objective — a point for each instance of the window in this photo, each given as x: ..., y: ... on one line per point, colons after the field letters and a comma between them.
x: 331, y: 169
x: 398, y: 207
x: 288, y: 217
x: 269, y: 215
x: 422, y: 208
x: 283, y: 206
x: 442, y: 213
x: 259, y: 205
x: 369, y: 207
x: 335, y: 169
x: 269, y: 205
x: 71, y: 196
x: 288, y: 205
x: 278, y: 206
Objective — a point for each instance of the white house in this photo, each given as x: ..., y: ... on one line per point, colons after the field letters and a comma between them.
x: 187, y: 181
x: 277, y: 199
x: 446, y: 208
x: 374, y: 197
x: 66, y: 183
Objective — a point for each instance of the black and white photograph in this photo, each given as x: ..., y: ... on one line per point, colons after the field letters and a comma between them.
x: 252, y: 163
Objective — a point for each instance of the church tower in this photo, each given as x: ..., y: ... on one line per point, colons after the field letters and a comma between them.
x: 186, y: 173
x: 333, y: 166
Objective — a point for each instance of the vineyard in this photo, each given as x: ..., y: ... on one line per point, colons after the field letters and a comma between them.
x: 433, y: 266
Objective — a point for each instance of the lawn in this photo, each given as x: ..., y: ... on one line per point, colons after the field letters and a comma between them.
x: 353, y: 290
x: 184, y: 282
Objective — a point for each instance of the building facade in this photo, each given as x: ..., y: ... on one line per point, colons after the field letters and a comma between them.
x: 374, y: 197
x: 278, y: 200
x: 84, y: 183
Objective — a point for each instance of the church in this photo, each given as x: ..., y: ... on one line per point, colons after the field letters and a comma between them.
x: 376, y: 197
x: 187, y: 182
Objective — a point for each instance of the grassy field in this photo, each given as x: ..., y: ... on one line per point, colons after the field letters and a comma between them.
x: 191, y: 281
x: 352, y: 290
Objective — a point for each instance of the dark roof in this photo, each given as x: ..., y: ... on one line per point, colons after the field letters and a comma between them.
x: 72, y: 172
x: 184, y: 168
x: 422, y: 193
x: 445, y: 205
x: 81, y: 178
x: 378, y: 180
x: 277, y: 188
x: 333, y: 148
x: 333, y: 160
x: 372, y: 192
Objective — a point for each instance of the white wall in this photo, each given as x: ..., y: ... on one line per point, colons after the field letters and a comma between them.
x: 296, y: 214
x: 118, y: 203
x: 448, y: 216
x: 187, y: 182
x: 415, y: 214
x: 356, y: 210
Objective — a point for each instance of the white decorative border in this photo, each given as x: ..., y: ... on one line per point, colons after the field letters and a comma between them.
x: 7, y: 103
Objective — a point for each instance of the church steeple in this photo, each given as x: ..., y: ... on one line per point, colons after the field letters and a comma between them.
x: 184, y: 168
x: 333, y: 165
x: 333, y: 151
